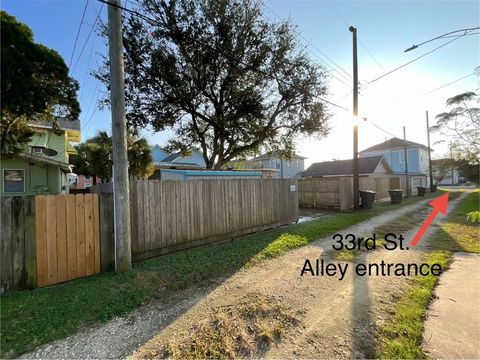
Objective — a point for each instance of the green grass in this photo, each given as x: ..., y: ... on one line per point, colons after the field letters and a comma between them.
x: 33, y: 317
x: 402, y: 337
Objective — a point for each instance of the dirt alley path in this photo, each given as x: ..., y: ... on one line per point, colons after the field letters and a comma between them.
x: 339, y: 317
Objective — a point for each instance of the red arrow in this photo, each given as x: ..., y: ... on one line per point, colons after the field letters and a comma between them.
x: 439, y: 204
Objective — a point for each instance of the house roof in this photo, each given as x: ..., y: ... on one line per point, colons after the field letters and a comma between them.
x: 272, y: 154
x: 393, y: 143
x: 40, y: 159
x: 72, y: 127
x: 172, y: 157
x: 366, y: 165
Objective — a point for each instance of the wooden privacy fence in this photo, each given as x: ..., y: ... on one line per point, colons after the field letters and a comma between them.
x: 337, y: 192
x: 167, y: 216
x: 54, y: 238
x: 48, y: 239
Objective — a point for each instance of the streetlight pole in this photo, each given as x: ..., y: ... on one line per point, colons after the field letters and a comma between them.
x: 356, y: 181
x: 463, y: 32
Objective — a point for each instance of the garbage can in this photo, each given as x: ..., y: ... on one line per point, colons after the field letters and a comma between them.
x: 367, y: 197
x: 395, y: 196
x: 421, y: 190
x: 433, y: 188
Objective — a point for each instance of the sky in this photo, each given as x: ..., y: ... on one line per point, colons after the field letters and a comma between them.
x: 385, y: 29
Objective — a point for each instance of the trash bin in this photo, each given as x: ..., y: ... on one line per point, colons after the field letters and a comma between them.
x: 421, y: 190
x: 367, y: 197
x: 395, y: 196
x: 433, y: 188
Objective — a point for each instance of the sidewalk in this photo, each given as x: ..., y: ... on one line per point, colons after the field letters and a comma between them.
x: 452, y: 328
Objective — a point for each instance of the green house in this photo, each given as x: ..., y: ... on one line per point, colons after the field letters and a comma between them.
x: 43, y: 166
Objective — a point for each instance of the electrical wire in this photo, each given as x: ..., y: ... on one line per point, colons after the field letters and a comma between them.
x: 411, y: 61
x: 154, y: 22
x: 379, y: 127
x: 78, y: 34
x: 359, y: 40
x: 88, y: 38
x: 347, y: 77
x: 444, y: 86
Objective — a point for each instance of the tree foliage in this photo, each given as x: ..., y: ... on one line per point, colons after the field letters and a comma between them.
x: 34, y: 85
x: 94, y: 157
x: 462, y: 124
x: 221, y: 77
x: 442, y: 168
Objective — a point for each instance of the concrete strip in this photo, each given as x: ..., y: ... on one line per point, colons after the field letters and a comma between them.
x: 452, y: 328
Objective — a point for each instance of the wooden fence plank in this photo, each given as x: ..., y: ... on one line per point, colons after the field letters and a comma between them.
x: 18, y: 242
x: 133, y: 217
x: 6, y: 244
x: 62, y: 255
x: 71, y: 233
x: 80, y: 234
x: 152, y: 209
x: 41, y: 240
x: 51, y: 220
x: 89, y: 236
x: 107, y: 241
x: 96, y: 231
x: 140, y: 217
x: 30, y: 242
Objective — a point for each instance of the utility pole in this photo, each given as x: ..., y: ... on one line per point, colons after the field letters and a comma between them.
x: 356, y: 181
x: 407, y: 185
x: 121, y: 195
x: 432, y: 187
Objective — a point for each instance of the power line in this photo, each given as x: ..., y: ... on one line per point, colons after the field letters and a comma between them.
x: 379, y: 127
x: 152, y: 21
x: 361, y: 43
x: 88, y: 38
x: 316, y: 48
x: 444, y: 86
x: 411, y: 61
x: 96, y: 91
x: 329, y: 69
x: 78, y: 34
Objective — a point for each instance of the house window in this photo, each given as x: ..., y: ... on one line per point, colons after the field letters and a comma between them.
x: 86, y: 186
x: 14, y: 181
x: 87, y: 177
x: 401, y: 157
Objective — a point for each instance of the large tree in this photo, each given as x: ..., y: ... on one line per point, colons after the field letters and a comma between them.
x: 94, y: 157
x: 34, y: 85
x: 221, y: 77
x: 461, y: 123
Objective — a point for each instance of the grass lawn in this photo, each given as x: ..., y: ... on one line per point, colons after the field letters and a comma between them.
x: 33, y: 317
x: 402, y: 337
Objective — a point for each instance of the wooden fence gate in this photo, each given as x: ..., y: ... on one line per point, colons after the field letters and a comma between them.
x: 67, y: 237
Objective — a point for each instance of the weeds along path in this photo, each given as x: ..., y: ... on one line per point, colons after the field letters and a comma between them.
x: 335, y: 318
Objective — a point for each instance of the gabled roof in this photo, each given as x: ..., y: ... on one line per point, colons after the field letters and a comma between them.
x: 273, y: 154
x: 393, y: 143
x: 366, y: 165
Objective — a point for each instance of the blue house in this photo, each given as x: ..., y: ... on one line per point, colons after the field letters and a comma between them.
x: 393, y: 152
x: 285, y: 168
